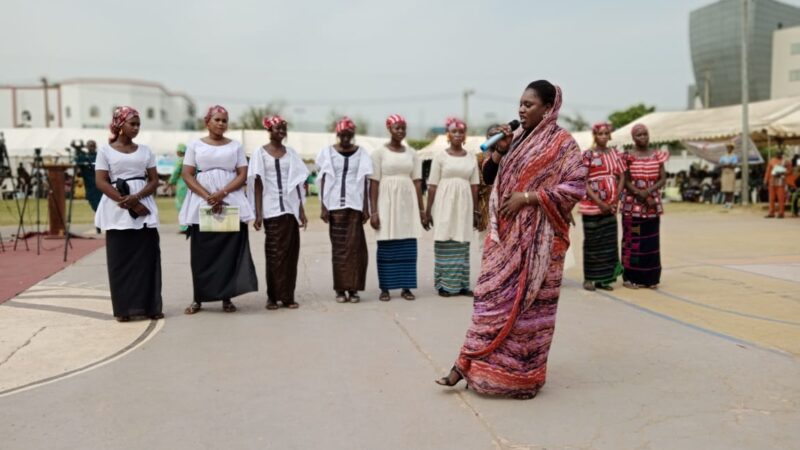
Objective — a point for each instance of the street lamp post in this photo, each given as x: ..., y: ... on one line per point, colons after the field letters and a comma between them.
x: 46, y: 104
x: 745, y: 111
x: 466, y: 94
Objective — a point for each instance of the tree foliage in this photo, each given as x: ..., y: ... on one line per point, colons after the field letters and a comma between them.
x: 623, y: 117
x: 418, y: 144
x: 252, y: 118
x: 362, y: 126
x: 576, y: 122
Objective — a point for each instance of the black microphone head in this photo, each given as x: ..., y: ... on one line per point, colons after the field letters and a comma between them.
x: 514, y: 124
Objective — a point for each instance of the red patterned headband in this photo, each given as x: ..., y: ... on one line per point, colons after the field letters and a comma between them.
x: 271, y: 122
x: 600, y: 125
x: 213, y: 110
x: 393, y: 119
x: 455, y: 123
x: 345, y: 124
x: 121, y: 114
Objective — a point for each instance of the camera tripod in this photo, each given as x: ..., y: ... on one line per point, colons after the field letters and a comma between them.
x: 5, y: 172
x: 21, y: 232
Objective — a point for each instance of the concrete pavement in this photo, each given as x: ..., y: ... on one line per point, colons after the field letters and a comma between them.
x: 710, y: 361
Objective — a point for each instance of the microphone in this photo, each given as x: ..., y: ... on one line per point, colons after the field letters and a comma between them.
x: 514, y: 124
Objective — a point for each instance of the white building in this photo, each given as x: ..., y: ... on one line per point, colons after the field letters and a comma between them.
x: 89, y: 103
x: 786, y: 63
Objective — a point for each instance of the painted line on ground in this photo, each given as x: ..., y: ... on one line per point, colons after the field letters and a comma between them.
x: 82, y: 297
x: 739, y: 269
x: 152, y: 328
x: 723, y: 310
x: 59, y: 309
x: 710, y: 332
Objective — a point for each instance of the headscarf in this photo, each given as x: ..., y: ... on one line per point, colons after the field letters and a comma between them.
x: 271, y: 122
x: 181, y: 148
x: 213, y: 110
x: 600, y: 125
x: 637, y: 128
x: 393, y: 119
x: 120, y: 116
x: 455, y: 123
x: 345, y: 124
x: 522, y: 250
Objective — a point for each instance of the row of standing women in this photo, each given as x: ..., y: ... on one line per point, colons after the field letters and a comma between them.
x: 634, y: 180
x: 538, y: 175
x: 383, y: 188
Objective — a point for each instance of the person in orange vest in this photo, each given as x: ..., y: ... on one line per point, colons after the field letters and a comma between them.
x: 775, y: 180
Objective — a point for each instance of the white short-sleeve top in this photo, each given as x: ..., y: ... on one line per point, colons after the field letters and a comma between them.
x: 282, y: 181
x: 453, y: 205
x: 216, y: 167
x: 344, y: 177
x: 133, y: 168
x: 398, y: 208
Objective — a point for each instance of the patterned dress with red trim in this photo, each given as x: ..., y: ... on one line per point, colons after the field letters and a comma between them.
x: 605, y: 169
x: 641, y: 241
x: 644, y: 172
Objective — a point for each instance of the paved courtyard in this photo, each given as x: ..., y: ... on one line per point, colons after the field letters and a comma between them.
x: 711, y: 360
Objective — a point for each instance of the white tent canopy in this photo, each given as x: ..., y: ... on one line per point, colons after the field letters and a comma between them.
x: 583, y: 138
x: 710, y: 124
x: 20, y: 142
x: 787, y: 126
x: 713, y: 151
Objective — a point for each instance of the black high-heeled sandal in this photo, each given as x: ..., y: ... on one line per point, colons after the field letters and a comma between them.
x: 448, y: 380
x: 194, y: 308
x: 228, y: 306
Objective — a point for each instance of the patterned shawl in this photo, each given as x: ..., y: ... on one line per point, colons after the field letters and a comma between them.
x: 519, y: 252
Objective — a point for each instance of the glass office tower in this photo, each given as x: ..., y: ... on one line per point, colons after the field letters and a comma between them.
x: 715, y: 40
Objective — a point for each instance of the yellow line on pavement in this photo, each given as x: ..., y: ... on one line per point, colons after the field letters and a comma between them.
x: 750, y: 307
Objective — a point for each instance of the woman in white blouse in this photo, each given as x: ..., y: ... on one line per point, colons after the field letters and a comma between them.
x: 125, y: 173
x: 398, y: 215
x: 344, y: 171
x: 215, y: 171
x: 453, y: 210
x: 277, y: 175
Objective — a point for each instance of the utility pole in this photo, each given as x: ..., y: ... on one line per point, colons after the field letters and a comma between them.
x: 46, y: 104
x: 745, y: 110
x: 466, y: 94
x: 707, y: 89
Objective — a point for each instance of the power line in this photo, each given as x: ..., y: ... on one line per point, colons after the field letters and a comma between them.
x: 341, y: 101
x: 504, y: 99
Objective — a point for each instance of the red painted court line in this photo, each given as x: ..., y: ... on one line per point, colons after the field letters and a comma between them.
x: 21, y: 269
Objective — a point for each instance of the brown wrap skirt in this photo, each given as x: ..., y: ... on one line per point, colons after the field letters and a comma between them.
x: 282, y: 251
x: 349, y: 253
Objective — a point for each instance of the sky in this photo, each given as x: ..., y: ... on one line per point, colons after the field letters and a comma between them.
x: 367, y: 58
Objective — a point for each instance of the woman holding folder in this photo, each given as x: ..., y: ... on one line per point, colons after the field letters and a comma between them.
x: 215, y: 171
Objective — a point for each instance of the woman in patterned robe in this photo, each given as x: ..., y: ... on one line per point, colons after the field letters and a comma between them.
x: 540, y: 181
